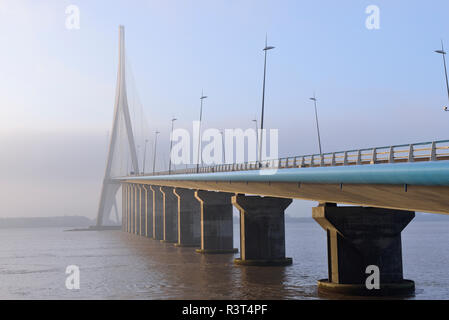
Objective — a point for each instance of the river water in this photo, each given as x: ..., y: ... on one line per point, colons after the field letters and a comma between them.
x: 117, y: 265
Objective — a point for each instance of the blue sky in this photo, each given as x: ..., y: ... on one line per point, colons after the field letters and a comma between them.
x: 375, y: 87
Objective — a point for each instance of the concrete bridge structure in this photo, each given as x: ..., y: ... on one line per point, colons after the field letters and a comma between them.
x: 366, y: 198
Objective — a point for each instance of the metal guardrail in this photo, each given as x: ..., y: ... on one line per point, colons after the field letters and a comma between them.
x: 423, y: 151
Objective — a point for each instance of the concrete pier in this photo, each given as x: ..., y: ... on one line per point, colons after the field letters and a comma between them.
x: 132, y: 208
x: 189, y: 218
x: 137, y: 209
x: 128, y: 208
x: 158, y: 213
x: 359, y: 238
x: 170, y: 215
x: 262, y: 230
x: 148, y: 212
x: 216, y: 222
x: 124, y: 207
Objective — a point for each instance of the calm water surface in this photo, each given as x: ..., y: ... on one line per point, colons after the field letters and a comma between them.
x: 116, y: 265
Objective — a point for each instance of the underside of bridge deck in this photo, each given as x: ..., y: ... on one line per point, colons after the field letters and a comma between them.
x: 434, y: 199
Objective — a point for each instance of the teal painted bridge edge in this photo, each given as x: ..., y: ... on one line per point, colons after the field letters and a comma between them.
x: 432, y: 173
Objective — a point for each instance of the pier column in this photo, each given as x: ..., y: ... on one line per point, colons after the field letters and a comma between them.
x: 133, y: 208
x: 189, y: 218
x: 262, y: 230
x: 128, y: 208
x: 137, y: 209
x: 158, y: 213
x: 148, y: 211
x: 216, y: 222
x: 358, y: 240
x: 170, y: 215
x: 124, y: 207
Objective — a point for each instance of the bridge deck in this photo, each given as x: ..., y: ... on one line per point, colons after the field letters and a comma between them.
x: 418, y: 186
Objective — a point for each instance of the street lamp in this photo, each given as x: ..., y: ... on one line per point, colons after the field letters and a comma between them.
x: 317, y: 125
x: 223, y: 146
x: 443, y: 53
x: 199, y: 158
x: 257, y: 137
x: 266, y: 49
x: 171, y: 144
x: 154, y: 151
x: 144, y: 155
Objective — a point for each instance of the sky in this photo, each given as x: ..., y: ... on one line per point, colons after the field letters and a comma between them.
x: 375, y: 87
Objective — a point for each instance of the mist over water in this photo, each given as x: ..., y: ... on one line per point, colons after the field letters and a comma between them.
x: 117, y: 265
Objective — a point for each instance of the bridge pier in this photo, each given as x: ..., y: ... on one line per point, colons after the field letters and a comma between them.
x: 189, y: 218
x: 216, y: 222
x: 148, y: 193
x: 170, y: 215
x: 132, y: 208
x: 158, y: 213
x: 262, y: 230
x: 137, y: 209
x: 124, y: 205
x: 358, y: 237
x: 128, y: 208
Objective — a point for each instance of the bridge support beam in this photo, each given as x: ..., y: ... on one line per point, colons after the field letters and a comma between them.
x: 216, y: 222
x: 189, y: 218
x: 170, y: 217
x: 364, y: 248
x: 262, y: 230
x: 148, y: 212
x: 158, y: 213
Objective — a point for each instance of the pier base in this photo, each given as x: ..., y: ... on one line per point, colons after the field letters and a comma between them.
x: 216, y: 222
x: 262, y: 230
x: 358, y: 240
x: 189, y: 218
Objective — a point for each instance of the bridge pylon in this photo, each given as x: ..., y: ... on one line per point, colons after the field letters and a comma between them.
x: 121, y: 111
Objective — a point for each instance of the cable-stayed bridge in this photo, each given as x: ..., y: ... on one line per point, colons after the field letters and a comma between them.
x: 193, y: 206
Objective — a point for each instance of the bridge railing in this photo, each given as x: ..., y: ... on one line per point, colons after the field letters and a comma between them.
x: 423, y: 151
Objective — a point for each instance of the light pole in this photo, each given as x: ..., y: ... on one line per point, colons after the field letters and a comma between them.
x: 443, y: 53
x: 199, y: 158
x: 317, y: 125
x: 171, y: 144
x: 266, y: 49
x: 257, y: 136
x: 223, y: 146
x: 144, y: 155
x: 154, y: 151
x: 137, y: 156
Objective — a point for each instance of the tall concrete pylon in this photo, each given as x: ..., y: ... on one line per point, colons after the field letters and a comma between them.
x: 110, y: 188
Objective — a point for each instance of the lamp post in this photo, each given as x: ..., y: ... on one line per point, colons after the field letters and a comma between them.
x: 144, y: 155
x: 257, y: 136
x: 171, y: 144
x: 223, y: 146
x: 154, y: 151
x: 266, y: 49
x: 317, y: 125
x: 443, y: 53
x: 199, y: 158
x: 137, y: 156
